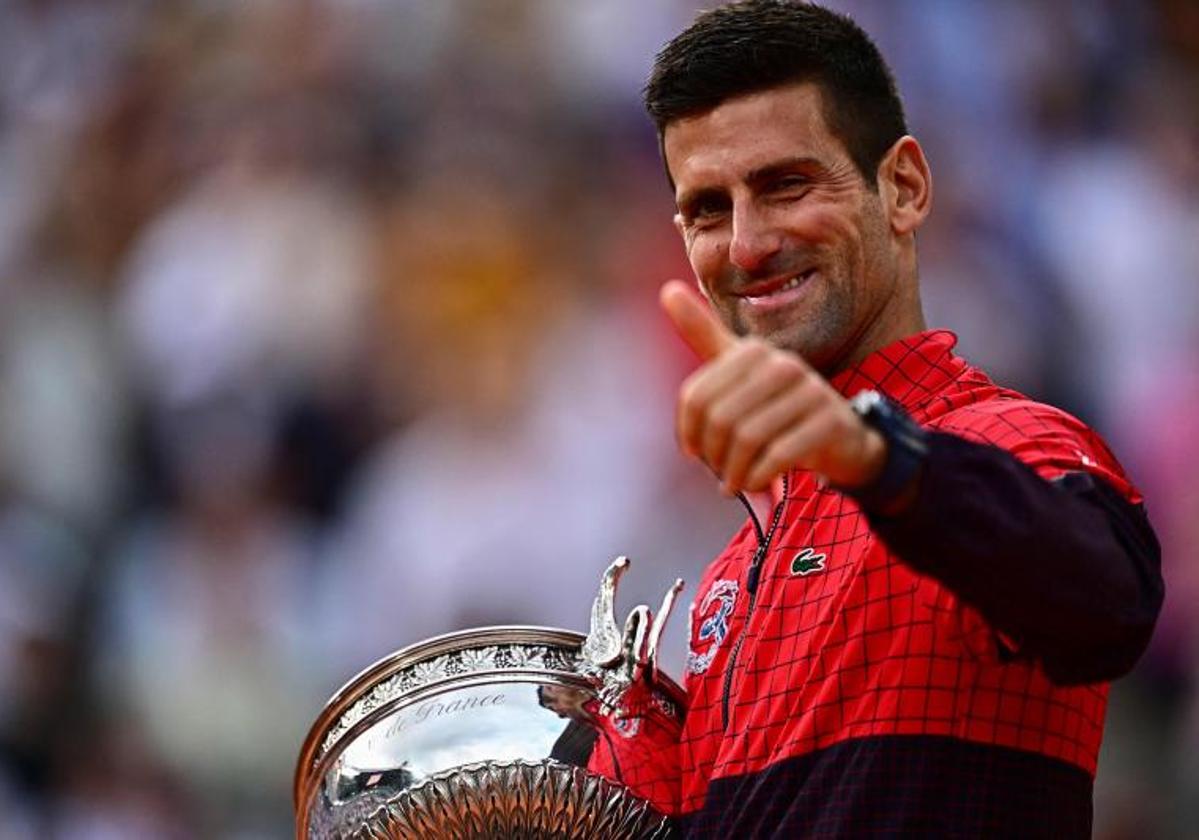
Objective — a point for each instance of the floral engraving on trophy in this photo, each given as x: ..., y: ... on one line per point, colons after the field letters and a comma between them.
x: 478, y: 659
x: 561, y: 659
x: 431, y: 671
x: 456, y: 663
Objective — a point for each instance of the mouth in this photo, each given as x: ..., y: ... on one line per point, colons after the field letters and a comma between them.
x: 774, y: 288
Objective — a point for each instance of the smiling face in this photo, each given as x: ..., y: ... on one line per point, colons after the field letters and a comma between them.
x: 786, y: 238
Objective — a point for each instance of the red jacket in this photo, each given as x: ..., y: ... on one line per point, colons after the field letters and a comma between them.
x: 888, y: 666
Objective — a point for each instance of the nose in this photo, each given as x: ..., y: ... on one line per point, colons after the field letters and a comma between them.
x: 755, y: 240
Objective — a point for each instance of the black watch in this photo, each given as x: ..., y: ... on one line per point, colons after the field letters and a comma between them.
x: 907, y: 448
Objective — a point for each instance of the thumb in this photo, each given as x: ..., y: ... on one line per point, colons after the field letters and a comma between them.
x: 694, y: 320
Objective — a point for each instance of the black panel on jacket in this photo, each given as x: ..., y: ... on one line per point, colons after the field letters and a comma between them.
x: 901, y: 786
x: 1069, y: 569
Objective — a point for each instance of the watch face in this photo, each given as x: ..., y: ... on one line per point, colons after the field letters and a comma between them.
x: 863, y: 401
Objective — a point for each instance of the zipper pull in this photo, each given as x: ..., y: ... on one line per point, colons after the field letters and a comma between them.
x: 755, y: 569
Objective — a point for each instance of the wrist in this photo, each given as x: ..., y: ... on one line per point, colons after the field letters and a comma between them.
x: 871, y: 462
x: 896, y: 447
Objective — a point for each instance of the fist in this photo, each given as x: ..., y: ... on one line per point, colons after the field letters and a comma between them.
x: 753, y: 411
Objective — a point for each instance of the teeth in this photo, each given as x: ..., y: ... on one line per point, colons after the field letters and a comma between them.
x: 790, y: 284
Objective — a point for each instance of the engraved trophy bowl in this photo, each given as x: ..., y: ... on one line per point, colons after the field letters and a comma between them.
x: 502, y: 732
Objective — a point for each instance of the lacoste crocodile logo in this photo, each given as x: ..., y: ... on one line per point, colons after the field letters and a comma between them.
x: 807, y: 562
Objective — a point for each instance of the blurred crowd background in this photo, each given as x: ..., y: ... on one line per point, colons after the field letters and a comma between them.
x: 329, y: 326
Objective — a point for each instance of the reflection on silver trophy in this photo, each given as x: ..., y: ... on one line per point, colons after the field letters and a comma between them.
x: 502, y: 732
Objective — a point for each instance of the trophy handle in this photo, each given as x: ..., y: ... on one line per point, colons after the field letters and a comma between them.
x: 602, y: 647
x: 614, y: 659
x: 617, y: 680
x: 655, y: 632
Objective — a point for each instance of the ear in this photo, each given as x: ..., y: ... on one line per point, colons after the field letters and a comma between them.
x: 905, y: 185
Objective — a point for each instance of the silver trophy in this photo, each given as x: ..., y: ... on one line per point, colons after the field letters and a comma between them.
x: 502, y: 732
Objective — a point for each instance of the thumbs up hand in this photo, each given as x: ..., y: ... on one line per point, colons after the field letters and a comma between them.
x: 753, y: 411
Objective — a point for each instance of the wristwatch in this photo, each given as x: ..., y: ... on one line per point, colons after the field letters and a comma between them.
x: 907, y: 449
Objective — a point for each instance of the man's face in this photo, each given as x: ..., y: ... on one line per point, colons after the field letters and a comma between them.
x: 787, y: 240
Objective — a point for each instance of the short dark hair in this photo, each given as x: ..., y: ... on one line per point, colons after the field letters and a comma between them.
x: 753, y: 45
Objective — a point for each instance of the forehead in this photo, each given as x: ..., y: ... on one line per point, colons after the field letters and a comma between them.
x: 747, y: 133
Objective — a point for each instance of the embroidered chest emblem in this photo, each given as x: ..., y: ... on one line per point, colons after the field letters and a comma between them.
x: 807, y: 562
x: 713, y: 616
x: 627, y: 727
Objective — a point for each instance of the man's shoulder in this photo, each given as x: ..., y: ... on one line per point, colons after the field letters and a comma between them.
x: 974, y: 402
x: 996, y: 409
x: 1050, y: 439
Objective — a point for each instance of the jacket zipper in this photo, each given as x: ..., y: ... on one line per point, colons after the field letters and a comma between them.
x: 752, y: 579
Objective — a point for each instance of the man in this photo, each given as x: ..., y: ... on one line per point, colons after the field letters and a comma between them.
x: 916, y: 632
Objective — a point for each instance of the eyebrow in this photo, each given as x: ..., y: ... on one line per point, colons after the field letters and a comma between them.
x: 755, y: 177
x: 778, y: 167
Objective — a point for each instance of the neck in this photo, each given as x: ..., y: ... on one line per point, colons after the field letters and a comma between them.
x: 903, y: 317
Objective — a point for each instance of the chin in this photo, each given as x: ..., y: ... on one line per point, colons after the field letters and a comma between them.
x: 818, y: 348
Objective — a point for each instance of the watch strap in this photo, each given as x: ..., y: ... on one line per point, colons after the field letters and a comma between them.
x: 907, y: 449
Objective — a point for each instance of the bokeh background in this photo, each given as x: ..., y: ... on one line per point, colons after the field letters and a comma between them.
x: 329, y: 326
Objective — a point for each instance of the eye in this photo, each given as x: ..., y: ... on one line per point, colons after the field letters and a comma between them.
x: 705, y: 211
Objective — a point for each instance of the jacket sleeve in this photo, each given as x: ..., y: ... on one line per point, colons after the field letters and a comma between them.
x: 1049, y: 543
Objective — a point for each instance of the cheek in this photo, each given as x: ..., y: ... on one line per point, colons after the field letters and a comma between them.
x: 871, y: 240
x: 828, y: 223
x: 843, y: 235
x: 706, y: 255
